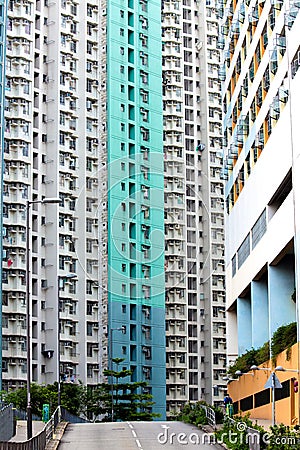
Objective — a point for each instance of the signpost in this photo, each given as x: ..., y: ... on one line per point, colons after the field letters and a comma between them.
x: 273, y: 383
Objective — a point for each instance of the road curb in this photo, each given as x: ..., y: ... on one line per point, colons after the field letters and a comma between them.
x: 57, y: 436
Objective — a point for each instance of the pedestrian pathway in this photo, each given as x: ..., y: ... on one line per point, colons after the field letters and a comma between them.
x: 21, y: 433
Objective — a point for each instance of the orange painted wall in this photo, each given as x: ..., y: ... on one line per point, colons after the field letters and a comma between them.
x: 287, y: 410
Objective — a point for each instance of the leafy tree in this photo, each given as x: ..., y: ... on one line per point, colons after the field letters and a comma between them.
x: 129, y: 400
x: 71, y: 397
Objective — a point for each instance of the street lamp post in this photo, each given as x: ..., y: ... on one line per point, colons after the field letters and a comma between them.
x: 273, y: 383
x: 123, y: 329
x: 28, y: 325
x: 239, y: 373
x: 60, y: 277
x: 254, y: 367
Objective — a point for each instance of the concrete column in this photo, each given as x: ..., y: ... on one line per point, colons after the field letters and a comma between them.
x: 232, y: 336
x: 281, y: 287
x: 260, y: 312
x: 244, y: 322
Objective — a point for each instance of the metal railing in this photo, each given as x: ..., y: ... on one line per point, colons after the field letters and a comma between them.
x: 210, y: 415
x: 253, y: 435
x: 39, y: 441
x: 7, y: 427
x: 21, y: 414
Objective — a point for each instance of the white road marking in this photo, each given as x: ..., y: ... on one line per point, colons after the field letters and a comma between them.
x: 135, y: 435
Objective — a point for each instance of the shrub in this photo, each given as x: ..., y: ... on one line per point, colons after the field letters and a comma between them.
x: 283, y: 339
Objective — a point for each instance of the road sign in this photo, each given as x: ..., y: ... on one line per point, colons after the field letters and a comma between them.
x: 273, y: 379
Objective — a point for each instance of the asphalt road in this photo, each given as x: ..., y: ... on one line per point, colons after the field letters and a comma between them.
x: 134, y: 436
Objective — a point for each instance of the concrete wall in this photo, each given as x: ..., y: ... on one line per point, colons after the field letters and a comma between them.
x: 287, y: 409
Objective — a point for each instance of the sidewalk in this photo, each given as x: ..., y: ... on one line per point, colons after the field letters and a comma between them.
x: 37, y: 427
x: 21, y: 433
x: 54, y: 443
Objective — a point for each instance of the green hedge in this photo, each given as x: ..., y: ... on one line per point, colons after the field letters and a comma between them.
x: 283, y: 339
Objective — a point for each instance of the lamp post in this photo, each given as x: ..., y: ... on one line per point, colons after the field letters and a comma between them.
x: 229, y: 379
x: 274, y: 383
x: 123, y: 329
x: 60, y: 277
x: 254, y: 367
x: 28, y: 326
x: 239, y: 373
x: 282, y: 369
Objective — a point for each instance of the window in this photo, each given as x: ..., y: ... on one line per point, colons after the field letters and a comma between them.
x: 89, y: 225
x: 144, y: 77
x: 144, y: 96
x: 89, y: 164
x: 145, y: 134
x: 89, y: 287
x: 259, y: 229
x: 89, y: 245
x: 243, y: 251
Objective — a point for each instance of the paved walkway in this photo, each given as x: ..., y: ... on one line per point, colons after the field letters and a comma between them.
x: 21, y: 434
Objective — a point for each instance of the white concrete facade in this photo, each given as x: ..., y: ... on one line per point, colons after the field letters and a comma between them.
x: 56, y: 119
x: 261, y: 165
x: 51, y: 150
x: 195, y: 299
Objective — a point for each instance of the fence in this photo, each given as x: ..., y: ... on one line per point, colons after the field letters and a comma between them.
x: 39, y: 441
x: 253, y: 435
x: 210, y: 415
x: 7, y: 424
x: 20, y: 414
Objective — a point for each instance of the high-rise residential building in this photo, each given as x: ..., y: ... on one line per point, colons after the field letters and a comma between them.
x: 51, y: 150
x: 261, y: 103
x: 131, y: 200
x: 83, y: 121
x: 3, y: 18
x: 136, y: 165
x: 194, y: 219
